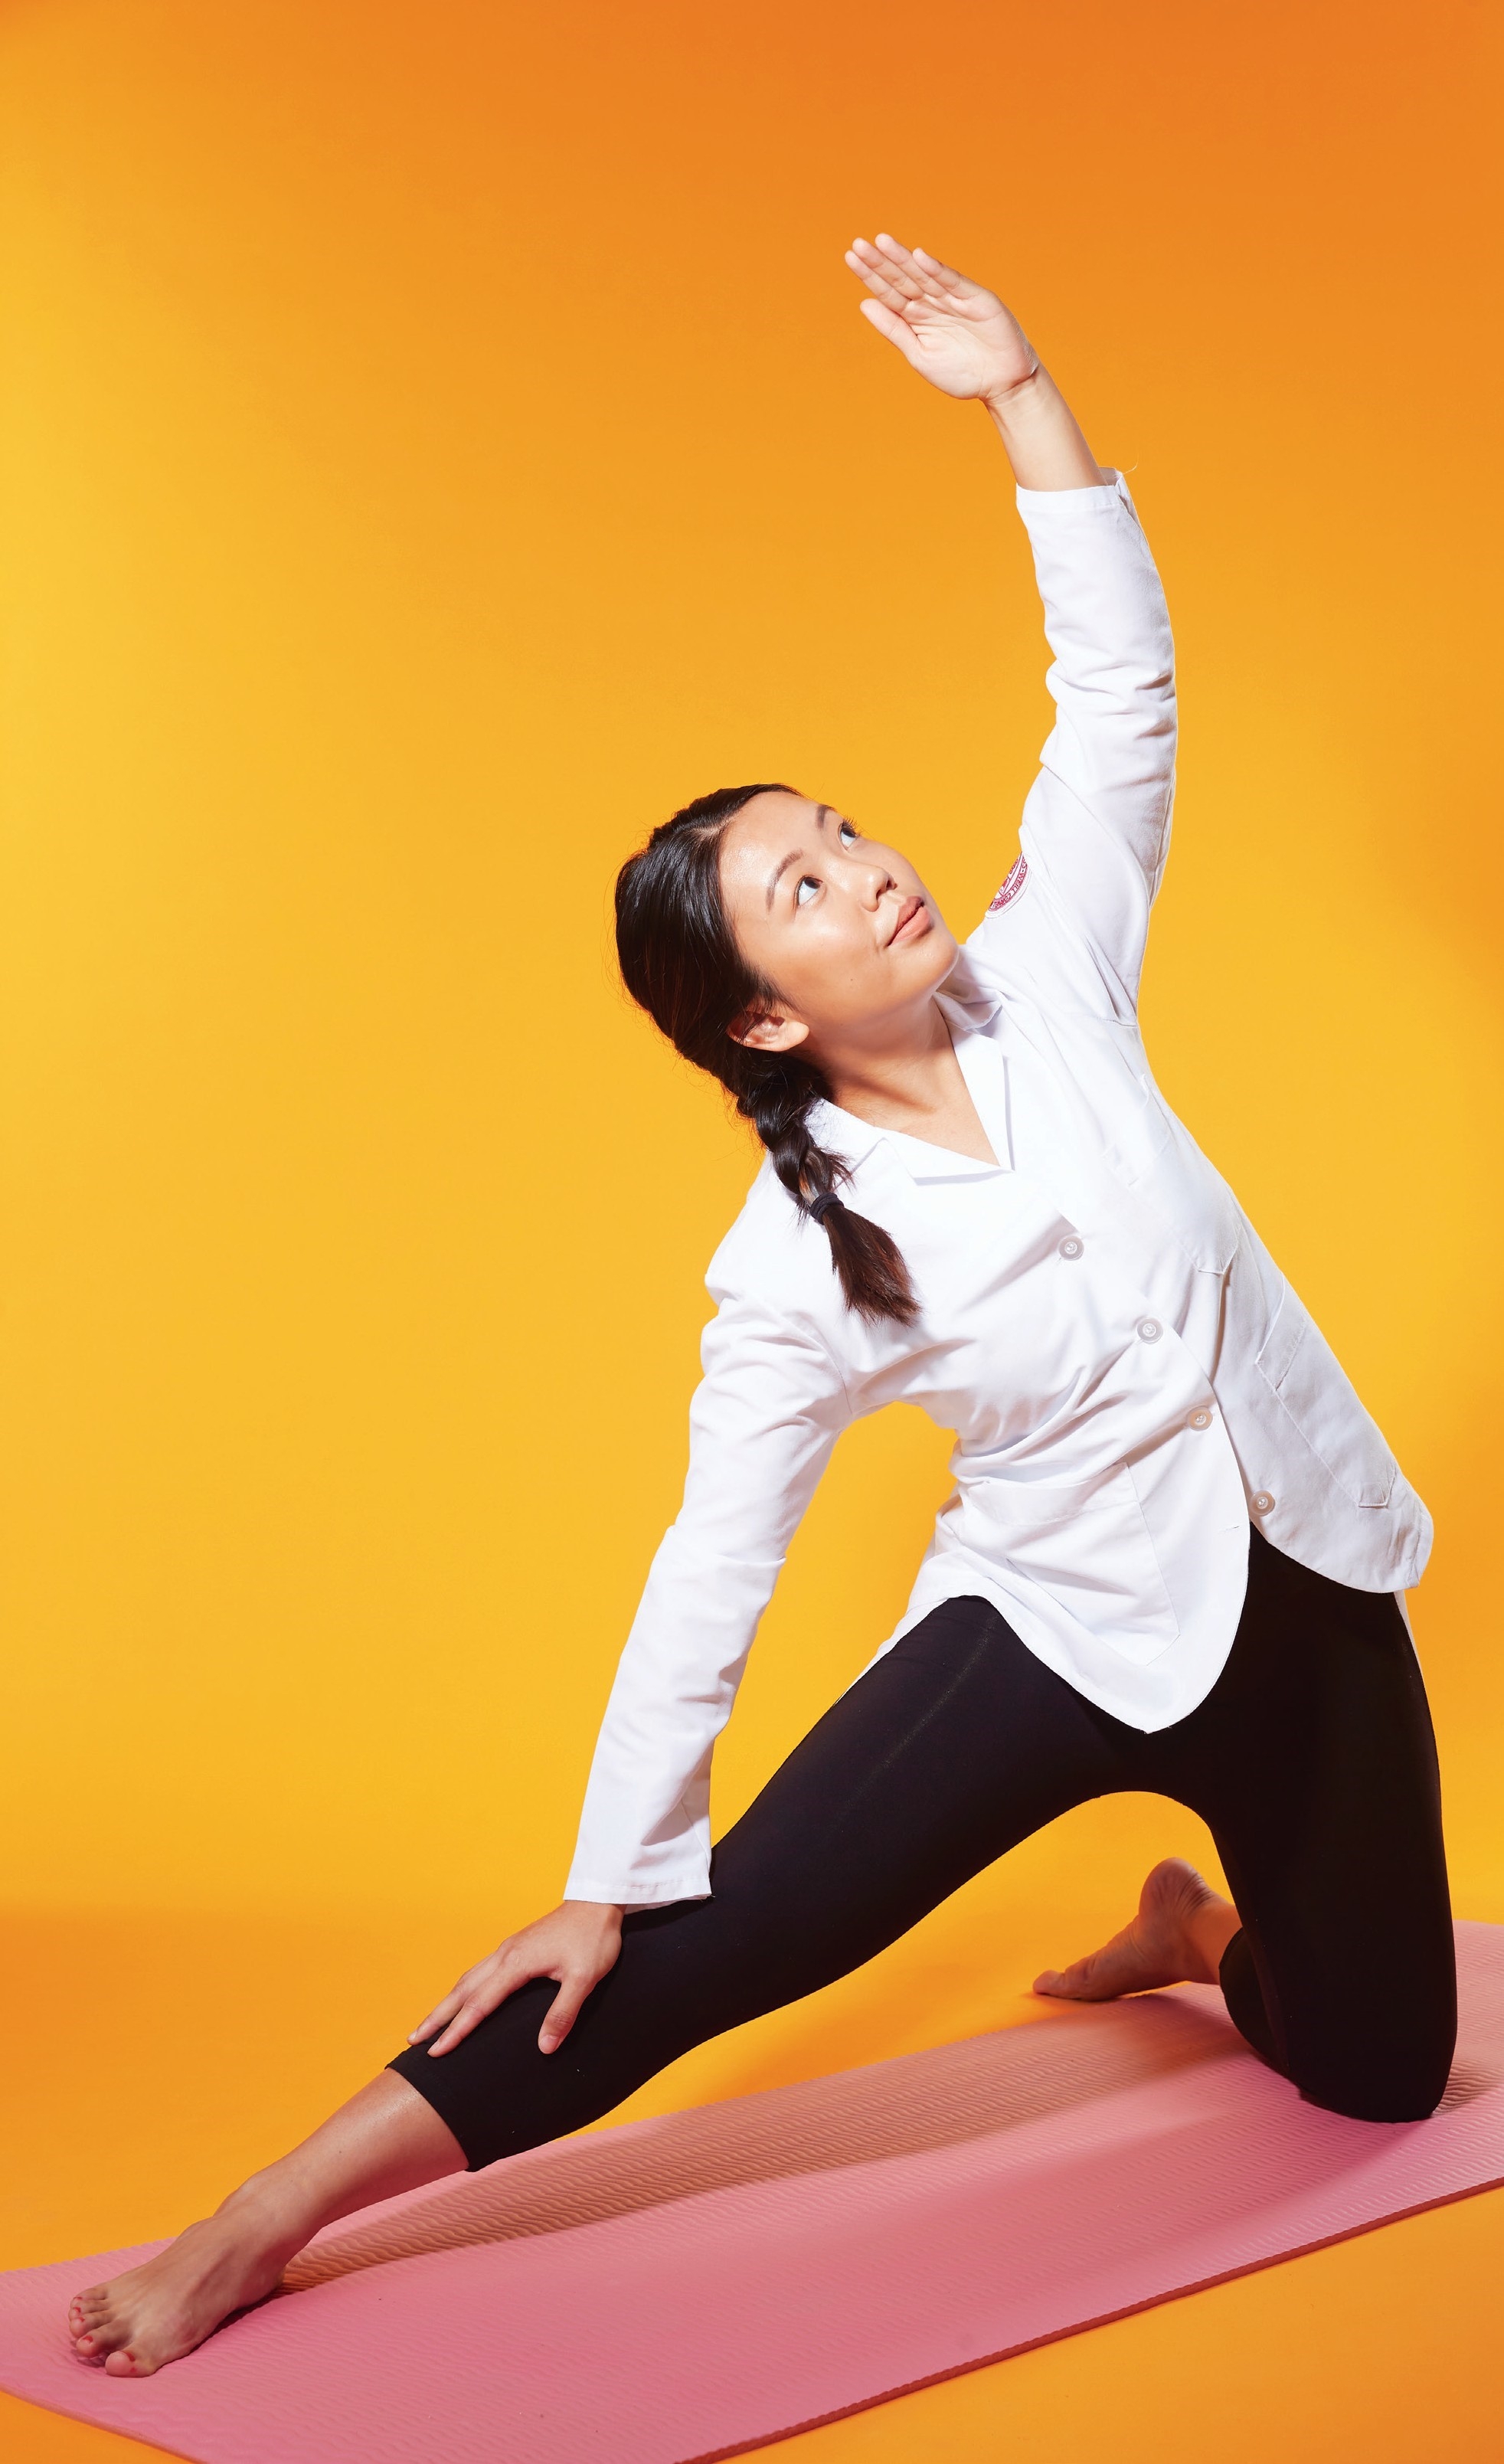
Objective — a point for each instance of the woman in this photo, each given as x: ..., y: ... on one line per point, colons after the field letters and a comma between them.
x: 1175, y: 1552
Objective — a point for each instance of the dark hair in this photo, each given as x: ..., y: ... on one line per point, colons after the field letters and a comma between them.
x: 681, y: 962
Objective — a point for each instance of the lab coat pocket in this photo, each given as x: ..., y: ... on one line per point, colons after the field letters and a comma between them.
x: 1086, y: 1543
x: 1298, y: 1362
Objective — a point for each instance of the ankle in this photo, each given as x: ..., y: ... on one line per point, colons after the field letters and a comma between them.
x: 266, y: 2214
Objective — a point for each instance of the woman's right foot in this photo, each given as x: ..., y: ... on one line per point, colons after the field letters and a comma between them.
x: 386, y: 2138
x: 1178, y: 1937
x: 156, y: 2313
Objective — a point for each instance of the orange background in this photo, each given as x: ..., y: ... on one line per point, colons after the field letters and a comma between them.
x: 437, y: 440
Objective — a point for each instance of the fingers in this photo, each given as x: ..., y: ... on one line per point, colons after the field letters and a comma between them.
x: 563, y: 2012
x: 906, y: 274
x: 876, y: 283
x: 487, y: 1996
x: 441, y: 2012
x: 462, y: 2025
x: 435, y: 2020
x: 888, y: 279
x: 907, y: 266
x: 946, y: 275
x: 472, y: 2009
x: 898, y: 332
x: 575, y: 1945
x: 479, y: 1990
x: 934, y: 279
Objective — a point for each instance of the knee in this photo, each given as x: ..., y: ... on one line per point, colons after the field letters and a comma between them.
x: 1379, y: 2081
x: 1404, y: 2101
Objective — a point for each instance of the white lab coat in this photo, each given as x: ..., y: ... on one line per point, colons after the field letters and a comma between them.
x: 1129, y: 1374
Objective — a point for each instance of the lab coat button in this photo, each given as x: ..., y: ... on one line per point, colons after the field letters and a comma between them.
x: 1263, y: 1502
x: 1201, y: 1420
x: 1150, y: 1329
x: 1071, y: 1248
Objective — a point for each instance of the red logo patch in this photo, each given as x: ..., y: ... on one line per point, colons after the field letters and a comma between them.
x: 1010, y: 888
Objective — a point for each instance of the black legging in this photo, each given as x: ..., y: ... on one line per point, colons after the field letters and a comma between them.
x: 1312, y: 1760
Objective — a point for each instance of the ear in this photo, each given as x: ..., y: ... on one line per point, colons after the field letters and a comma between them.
x: 761, y: 1033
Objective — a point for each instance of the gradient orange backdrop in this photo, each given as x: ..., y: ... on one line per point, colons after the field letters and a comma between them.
x: 439, y: 439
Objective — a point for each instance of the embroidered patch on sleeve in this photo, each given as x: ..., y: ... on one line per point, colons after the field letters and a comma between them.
x: 1010, y: 888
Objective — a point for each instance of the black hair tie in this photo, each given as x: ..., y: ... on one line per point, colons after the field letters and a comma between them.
x: 820, y: 1207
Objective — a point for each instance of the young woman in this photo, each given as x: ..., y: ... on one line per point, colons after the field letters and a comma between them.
x: 1175, y: 1552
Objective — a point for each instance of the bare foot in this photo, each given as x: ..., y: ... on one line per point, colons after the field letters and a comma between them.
x: 157, y: 2312
x: 386, y: 2138
x: 1178, y: 1937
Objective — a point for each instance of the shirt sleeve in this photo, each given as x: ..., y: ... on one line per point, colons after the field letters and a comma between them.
x: 1074, y: 912
x: 762, y: 1425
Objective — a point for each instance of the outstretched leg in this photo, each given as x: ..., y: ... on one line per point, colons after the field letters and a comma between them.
x: 955, y: 1745
x: 950, y: 1748
x: 385, y: 2140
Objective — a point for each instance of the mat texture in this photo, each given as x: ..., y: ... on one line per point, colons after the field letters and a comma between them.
x: 690, y: 2287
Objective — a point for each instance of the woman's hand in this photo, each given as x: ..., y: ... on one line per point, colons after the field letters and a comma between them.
x: 965, y: 341
x: 578, y: 1944
x: 954, y: 332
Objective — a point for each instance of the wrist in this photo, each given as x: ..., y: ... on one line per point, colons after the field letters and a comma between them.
x: 1039, y: 436
x: 1006, y: 402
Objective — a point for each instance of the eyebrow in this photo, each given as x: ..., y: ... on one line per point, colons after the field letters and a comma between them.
x: 778, y: 870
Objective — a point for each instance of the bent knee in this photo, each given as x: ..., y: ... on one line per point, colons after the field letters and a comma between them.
x: 1375, y: 2083
x: 1403, y: 2102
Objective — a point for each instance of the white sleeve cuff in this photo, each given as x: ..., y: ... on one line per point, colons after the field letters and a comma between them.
x: 1071, y: 505
x: 661, y: 1892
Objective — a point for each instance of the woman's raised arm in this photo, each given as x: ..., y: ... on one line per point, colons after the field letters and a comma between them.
x: 1095, y: 826
x: 966, y: 343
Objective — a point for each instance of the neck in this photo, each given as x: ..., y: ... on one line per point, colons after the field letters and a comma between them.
x: 902, y: 1066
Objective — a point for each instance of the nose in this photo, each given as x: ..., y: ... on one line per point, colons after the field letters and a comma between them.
x: 876, y: 882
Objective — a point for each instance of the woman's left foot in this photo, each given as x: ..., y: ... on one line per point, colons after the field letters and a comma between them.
x: 1178, y: 1937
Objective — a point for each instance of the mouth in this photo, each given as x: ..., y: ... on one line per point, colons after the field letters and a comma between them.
x: 913, y: 922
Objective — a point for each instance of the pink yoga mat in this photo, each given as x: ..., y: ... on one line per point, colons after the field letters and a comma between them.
x: 686, y: 2288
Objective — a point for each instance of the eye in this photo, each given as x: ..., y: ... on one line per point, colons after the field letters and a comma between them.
x: 849, y: 834
x: 808, y: 885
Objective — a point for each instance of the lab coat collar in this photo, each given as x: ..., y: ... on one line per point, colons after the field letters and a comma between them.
x: 985, y: 1074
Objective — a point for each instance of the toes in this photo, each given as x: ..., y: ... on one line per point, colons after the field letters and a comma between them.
x: 98, y: 2346
x: 1081, y: 1982
x: 87, y: 2319
x: 93, y: 2340
x: 96, y: 2333
x: 124, y: 2366
x: 1067, y: 1981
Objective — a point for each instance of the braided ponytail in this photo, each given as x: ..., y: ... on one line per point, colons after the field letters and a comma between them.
x: 679, y: 961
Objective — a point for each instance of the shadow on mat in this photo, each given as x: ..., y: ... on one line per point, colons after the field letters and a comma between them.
x: 894, y: 2108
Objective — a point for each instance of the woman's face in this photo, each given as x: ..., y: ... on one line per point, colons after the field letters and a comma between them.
x: 843, y: 925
